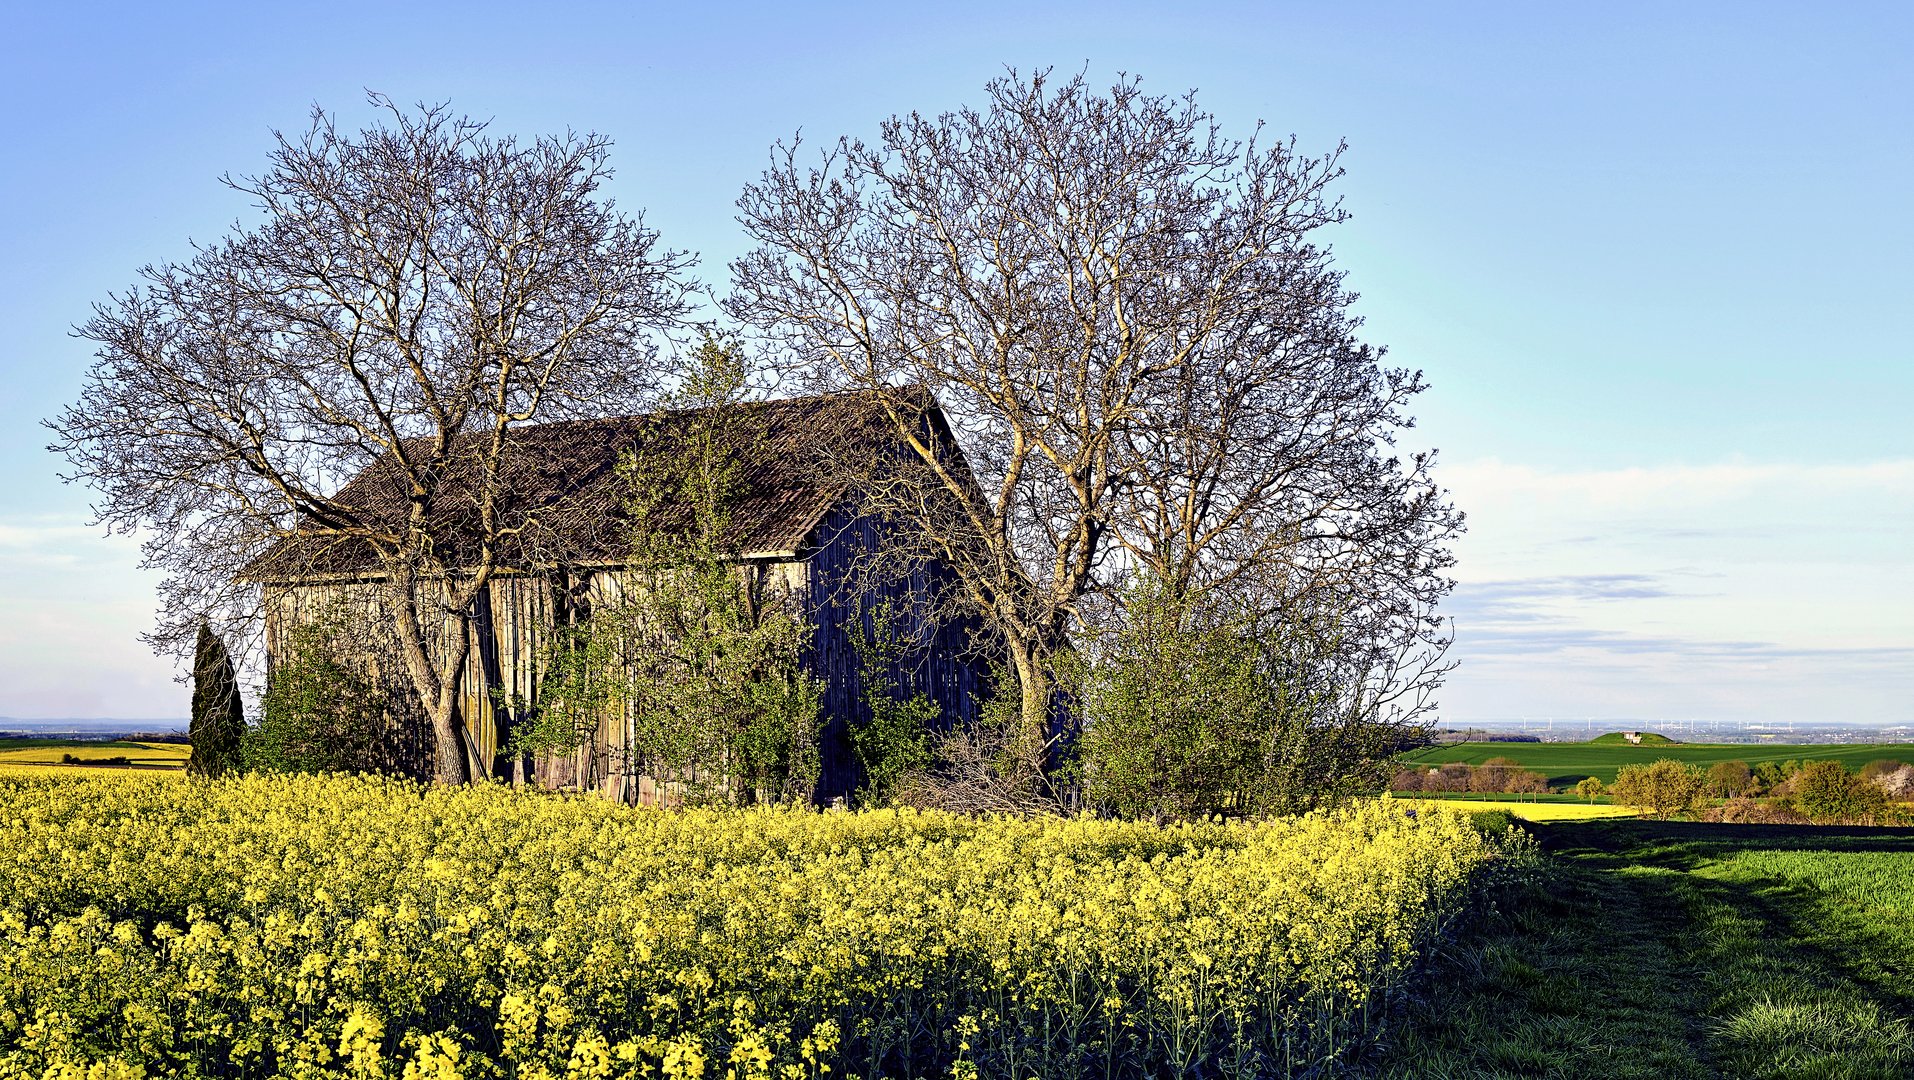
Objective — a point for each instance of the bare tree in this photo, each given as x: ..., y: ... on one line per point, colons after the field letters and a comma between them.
x: 1148, y: 361
x: 411, y: 295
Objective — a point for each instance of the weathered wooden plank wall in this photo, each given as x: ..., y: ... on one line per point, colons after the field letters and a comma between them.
x: 515, y: 623
x: 842, y: 603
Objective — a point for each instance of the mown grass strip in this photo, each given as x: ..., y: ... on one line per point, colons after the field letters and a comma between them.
x: 1682, y: 950
x: 1574, y: 973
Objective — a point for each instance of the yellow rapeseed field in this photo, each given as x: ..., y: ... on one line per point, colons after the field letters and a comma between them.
x: 1529, y: 811
x: 47, y: 760
x: 362, y: 927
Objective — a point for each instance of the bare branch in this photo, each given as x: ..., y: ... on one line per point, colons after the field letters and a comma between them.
x: 411, y: 295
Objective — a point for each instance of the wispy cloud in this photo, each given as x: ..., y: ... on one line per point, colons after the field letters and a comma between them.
x: 56, y: 543
x: 1493, y: 595
x: 1746, y: 590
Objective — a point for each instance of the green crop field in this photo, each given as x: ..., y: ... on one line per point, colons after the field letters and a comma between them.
x: 1565, y: 763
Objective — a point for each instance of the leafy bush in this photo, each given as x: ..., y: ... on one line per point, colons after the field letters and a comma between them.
x: 896, y: 739
x: 320, y: 712
x: 1171, y: 701
x: 1492, y: 822
x: 1660, y: 788
x: 700, y: 656
x: 1193, y: 704
x: 1826, y: 793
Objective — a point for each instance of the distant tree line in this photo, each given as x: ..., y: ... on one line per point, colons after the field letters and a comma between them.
x: 1780, y: 792
x: 1787, y: 792
x: 1496, y: 775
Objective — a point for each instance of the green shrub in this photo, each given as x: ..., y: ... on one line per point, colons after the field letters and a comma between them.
x: 1492, y: 822
x: 321, y: 712
x: 896, y: 738
x: 1196, y: 702
x: 701, y: 657
x: 1661, y: 788
x: 218, y: 724
x: 1827, y: 793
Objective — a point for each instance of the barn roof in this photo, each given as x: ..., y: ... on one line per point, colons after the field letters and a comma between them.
x: 562, y: 482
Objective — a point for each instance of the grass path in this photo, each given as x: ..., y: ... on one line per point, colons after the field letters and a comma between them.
x: 1652, y: 950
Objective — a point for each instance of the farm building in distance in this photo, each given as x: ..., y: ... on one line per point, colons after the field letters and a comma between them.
x: 795, y: 530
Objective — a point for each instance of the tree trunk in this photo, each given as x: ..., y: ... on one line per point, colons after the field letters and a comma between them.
x: 437, y: 692
x: 1034, y: 713
x: 448, y: 750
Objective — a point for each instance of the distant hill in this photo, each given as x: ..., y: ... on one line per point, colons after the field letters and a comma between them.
x: 1631, y: 738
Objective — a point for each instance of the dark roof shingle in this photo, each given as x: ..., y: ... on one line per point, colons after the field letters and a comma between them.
x: 561, y: 486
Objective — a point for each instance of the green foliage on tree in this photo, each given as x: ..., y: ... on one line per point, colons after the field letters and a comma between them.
x: 1826, y: 793
x: 700, y: 657
x: 1192, y: 705
x: 896, y: 739
x: 1770, y: 774
x: 320, y: 712
x: 1728, y: 779
x: 1591, y: 788
x: 218, y: 723
x: 581, y: 679
x: 1660, y: 788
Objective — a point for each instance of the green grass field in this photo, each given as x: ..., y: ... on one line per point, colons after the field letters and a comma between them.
x: 1680, y: 950
x: 1566, y: 763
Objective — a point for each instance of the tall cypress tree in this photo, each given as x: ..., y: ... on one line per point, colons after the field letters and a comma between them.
x: 218, y: 721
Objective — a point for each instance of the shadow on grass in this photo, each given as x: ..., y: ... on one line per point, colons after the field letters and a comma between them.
x: 1687, y: 844
x: 1571, y: 974
x: 1644, y: 950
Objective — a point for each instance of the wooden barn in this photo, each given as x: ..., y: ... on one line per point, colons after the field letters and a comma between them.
x: 789, y: 522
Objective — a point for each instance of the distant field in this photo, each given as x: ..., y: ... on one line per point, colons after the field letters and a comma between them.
x: 42, y: 757
x: 1565, y: 763
x: 1532, y: 811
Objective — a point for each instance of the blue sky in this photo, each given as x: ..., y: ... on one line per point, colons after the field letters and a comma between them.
x: 1657, y: 261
